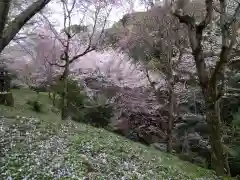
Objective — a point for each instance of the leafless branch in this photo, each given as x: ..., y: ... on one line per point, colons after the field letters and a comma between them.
x: 87, y: 50
x: 25, y: 48
x: 226, y: 49
x: 56, y: 34
x: 186, y: 19
x: 104, y: 25
x: 234, y: 62
x: 91, y: 47
x: 152, y: 84
x: 233, y: 18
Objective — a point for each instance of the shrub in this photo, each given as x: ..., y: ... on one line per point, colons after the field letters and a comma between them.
x: 99, y: 111
x: 99, y: 115
x: 75, y: 95
x: 81, y: 108
x: 15, y: 86
x: 35, y: 105
x: 94, y: 113
x: 39, y: 88
x: 234, y: 159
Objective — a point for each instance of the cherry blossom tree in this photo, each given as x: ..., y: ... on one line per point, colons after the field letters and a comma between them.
x: 156, y: 40
x: 75, y: 40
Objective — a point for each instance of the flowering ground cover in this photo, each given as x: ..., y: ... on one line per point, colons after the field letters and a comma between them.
x: 40, y: 146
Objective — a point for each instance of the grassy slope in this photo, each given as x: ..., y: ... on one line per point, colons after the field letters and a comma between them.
x: 46, y: 148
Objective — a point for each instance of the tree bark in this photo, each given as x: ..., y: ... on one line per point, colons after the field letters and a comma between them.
x: 171, y: 97
x: 227, y: 165
x: 207, y: 83
x: 171, y: 102
x: 209, y: 92
x: 9, y: 32
x: 4, y: 10
x: 64, y: 77
x: 214, y: 124
x: 64, y: 113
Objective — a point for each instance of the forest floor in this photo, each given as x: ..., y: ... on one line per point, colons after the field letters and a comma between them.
x: 41, y: 146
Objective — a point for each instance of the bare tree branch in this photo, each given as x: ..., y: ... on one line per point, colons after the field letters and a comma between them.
x: 56, y: 34
x: 87, y: 50
x: 234, y: 62
x: 91, y: 47
x: 195, y: 37
x: 56, y: 64
x: 233, y: 18
x: 226, y: 49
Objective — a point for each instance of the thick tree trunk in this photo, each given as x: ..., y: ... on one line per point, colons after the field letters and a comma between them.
x: 171, y: 101
x: 208, y: 87
x: 208, y: 80
x: 64, y: 113
x: 9, y: 32
x: 4, y: 10
x: 214, y: 124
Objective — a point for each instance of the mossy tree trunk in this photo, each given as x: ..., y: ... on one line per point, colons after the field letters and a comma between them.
x: 64, y: 103
x: 64, y: 79
x: 218, y: 161
x: 171, y: 100
x: 208, y: 80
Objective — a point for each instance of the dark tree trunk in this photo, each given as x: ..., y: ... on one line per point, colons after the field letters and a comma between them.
x: 7, y: 33
x: 64, y: 113
x: 214, y: 124
x: 213, y: 121
x: 64, y: 77
x: 171, y: 98
x: 171, y: 101
x: 207, y: 83
x: 54, y: 99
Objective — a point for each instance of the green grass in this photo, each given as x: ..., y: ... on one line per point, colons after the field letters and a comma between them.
x: 22, y: 109
x: 46, y: 148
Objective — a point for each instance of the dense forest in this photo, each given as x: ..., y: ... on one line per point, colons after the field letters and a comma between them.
x: 166, y: 77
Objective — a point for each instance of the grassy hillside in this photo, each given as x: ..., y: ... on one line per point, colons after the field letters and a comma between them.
x: 40, y: 146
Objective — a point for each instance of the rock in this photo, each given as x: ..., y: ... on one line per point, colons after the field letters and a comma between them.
x: 194, y: 138
x: 17, y: 84
x: 160, y: 146
x: 200, y: 161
